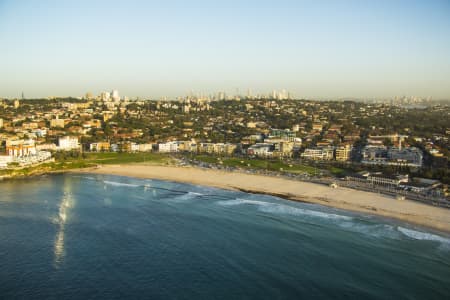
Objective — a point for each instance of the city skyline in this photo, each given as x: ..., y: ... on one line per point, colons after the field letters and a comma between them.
x: 325, y: 49
x: 249, y: 94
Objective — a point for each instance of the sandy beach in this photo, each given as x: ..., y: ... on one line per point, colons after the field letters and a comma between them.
x: 342, y: 198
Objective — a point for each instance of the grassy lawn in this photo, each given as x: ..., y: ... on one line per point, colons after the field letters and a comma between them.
x: 337, y: 171
x: 90, y: 160
x: 93, y: 159
x: 257, y: 163
x: 123, y: 158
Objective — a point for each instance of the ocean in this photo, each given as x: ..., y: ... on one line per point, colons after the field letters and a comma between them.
x: 83, y: 236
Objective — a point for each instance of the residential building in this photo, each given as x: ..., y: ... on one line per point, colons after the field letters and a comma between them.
x: 343, y: 153
x: 168, y: 147
x: 19, y: 148
x: 57, y: 123
x: 68, y: 143
x: 409, y: 156
x: 187, y: 146
x: 374, y: 154
x: 261, y: 150
x: 145, y: 147
x: 99, y: 147
x: 49, y: 146
x: 317, y: 127
x: 285, y: 134
x: 326, y: 153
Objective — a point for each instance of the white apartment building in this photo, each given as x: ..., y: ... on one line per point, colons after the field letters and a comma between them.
x: 168, y: 147
x: 261, y: 149
x: 343, y: 153
x: 68, y: 143
x: 318, y: 153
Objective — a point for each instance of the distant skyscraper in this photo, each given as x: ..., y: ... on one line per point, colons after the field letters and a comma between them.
x: 115, y: 96
x: 274, y: 94
x: 283, y: 95
x: 105, y: 96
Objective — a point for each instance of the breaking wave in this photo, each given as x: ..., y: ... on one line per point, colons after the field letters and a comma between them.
x: 187, y: 196
x: 418, y: 235
x: 373, y: 230
x: 269, y: 207
x: 114, y: 183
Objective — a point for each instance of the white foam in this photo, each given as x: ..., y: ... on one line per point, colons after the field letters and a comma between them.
x: 187, y: 196
x: 374, y: 230
x: 269, y: 207
x: 120, y: 183
x: 289, y: 210
x: 418, y: 235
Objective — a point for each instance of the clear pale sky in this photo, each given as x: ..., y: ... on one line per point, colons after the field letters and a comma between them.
x: 155, y: 48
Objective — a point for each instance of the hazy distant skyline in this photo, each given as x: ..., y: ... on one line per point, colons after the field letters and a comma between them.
x: 314, y: 49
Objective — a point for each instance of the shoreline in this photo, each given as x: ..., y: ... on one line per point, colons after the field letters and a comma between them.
x: 412, y: 212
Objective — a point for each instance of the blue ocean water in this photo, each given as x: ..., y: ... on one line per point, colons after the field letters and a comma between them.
x: 109, y: 237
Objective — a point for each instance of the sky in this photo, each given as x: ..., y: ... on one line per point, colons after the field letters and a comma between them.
x: 314, y: 49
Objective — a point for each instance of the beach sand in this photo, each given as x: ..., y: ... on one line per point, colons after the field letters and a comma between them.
x: 342, y: 198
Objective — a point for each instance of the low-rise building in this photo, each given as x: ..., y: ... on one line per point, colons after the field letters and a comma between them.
x: 19, y: 148
x: 68, y: 143
x: 99, y: 147
x: 326, y: 153
x: 374, y: 154
x: 145, y: 147
x: 284, y: 134
x: 379, y: 179
x: 382, y: 155
x: 187, y: 146
x: 261, y: 150
x: 49, y: 146
x: 168, y: 147
x: 317, y: 126
x: 410, y: 156
x: 343, y: 153
x: 57, y: 123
